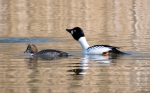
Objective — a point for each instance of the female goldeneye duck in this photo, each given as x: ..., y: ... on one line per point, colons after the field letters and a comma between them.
x: 45, y: 54
x: 78, y: 34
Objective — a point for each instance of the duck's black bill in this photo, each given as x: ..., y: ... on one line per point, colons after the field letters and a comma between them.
x: 27, y: 51
x: 69, y: 30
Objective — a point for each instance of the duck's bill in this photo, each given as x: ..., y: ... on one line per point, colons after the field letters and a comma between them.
x: 27, y: 51
x: 69, y: 30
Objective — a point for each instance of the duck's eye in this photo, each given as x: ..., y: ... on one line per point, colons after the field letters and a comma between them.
x: 74, y: 30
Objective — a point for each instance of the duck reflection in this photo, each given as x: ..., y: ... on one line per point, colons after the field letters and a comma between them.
x: 83, y: 65
x: 31, y: 63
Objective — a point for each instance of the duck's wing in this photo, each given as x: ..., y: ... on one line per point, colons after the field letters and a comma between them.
x: 103, y: 48
x: 114, y: 49
x: 97, y: 49
x: 51, y: 53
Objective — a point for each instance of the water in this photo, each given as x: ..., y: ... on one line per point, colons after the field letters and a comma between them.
x: 43, y: 22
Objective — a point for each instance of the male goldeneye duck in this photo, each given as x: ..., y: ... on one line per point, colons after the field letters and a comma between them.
x: 78, y: 34
x: 45, y: 54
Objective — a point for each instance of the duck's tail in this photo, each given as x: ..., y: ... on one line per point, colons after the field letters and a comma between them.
x: 116, y: 51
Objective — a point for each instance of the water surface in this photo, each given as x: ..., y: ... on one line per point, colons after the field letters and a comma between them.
x: 43, y: 22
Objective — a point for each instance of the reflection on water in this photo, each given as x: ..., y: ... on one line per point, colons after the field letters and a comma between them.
x: 84, y: 63
x: 122, y: 23
x: 31, y: 63
x: 107, y: 75
x: 75, y: 74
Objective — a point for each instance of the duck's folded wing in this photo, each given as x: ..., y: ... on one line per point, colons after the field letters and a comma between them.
x: 103, y: 48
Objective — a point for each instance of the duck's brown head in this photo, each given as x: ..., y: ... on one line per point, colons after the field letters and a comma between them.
x: 31, y: 48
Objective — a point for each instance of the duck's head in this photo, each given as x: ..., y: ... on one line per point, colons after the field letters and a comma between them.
x: 31, y: 48
x: 76, y: 33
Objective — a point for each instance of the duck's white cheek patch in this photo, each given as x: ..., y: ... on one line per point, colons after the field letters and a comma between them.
x: 72, y: 32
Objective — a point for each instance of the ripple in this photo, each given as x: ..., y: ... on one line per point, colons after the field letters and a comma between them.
x: 29, y: 40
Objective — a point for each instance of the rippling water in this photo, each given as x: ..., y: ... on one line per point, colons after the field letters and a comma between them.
x: 43, y: 22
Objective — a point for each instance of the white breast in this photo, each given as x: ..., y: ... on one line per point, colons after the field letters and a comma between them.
x: 97, y: 50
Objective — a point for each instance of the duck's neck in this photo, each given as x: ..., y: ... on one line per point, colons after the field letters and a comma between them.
x: 83, y: 43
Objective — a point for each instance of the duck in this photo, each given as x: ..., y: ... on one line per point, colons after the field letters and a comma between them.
x: 46, y: 53
x: 106, y: 50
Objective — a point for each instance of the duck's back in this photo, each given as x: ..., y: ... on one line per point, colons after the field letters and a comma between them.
x: 51, y: 54
x: 100, y: 49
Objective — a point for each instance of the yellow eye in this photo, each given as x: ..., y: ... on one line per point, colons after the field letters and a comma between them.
x: 74, y: 30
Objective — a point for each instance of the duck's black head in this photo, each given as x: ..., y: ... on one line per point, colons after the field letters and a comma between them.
x: 76, y: 33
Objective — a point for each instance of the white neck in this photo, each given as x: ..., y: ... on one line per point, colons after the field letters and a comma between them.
x: 83, y: 43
